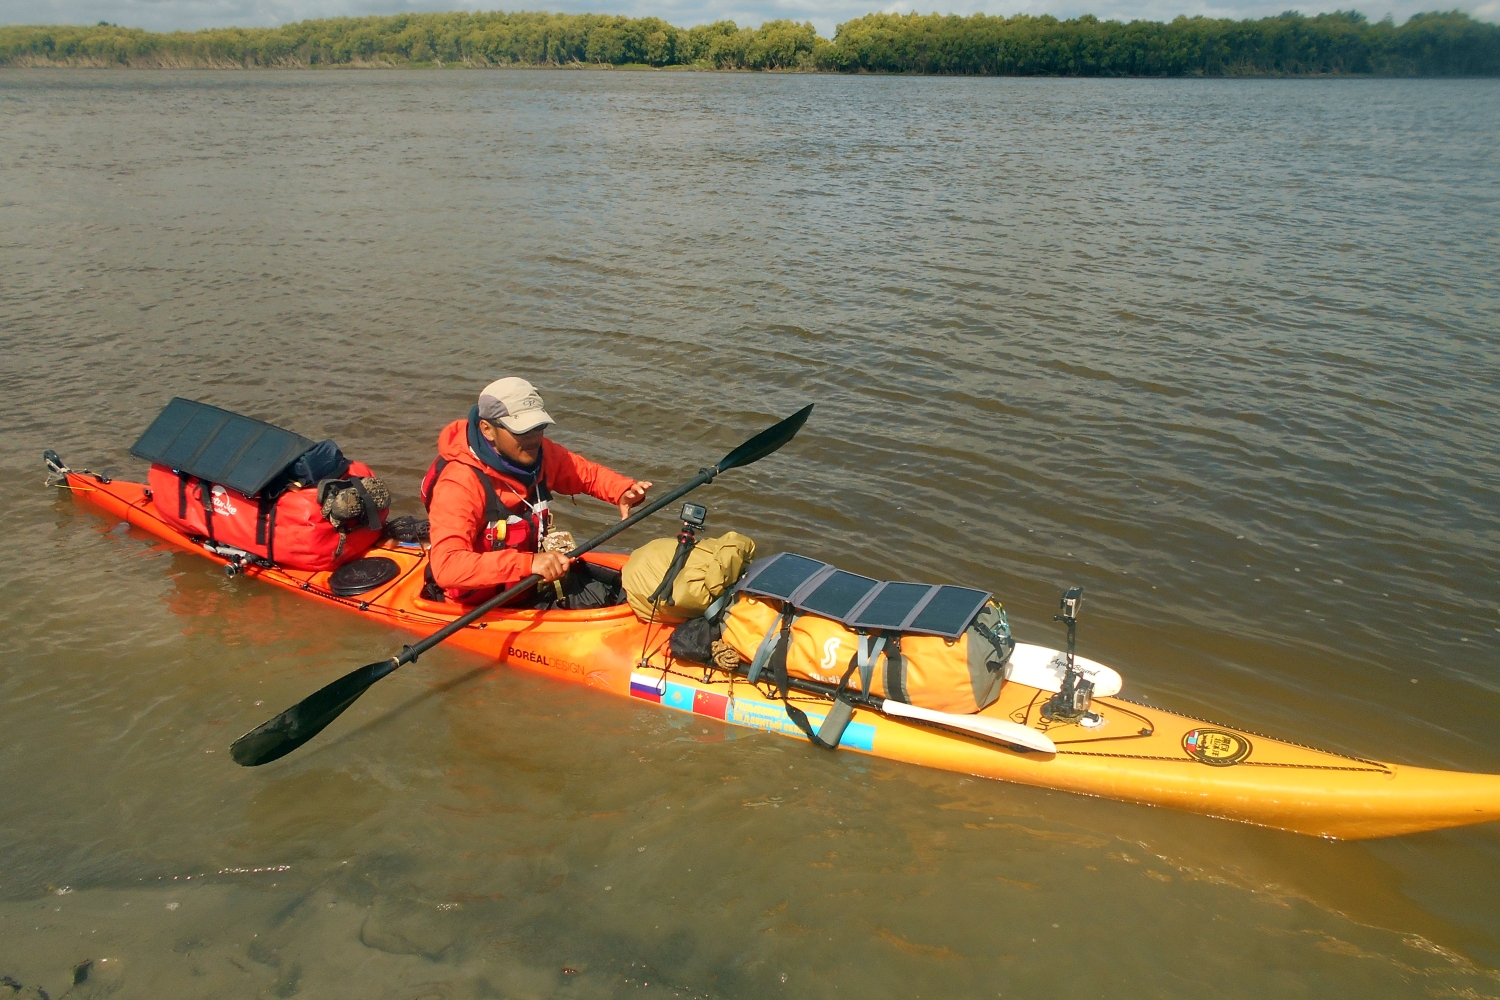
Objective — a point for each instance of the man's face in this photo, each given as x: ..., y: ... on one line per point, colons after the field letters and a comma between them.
x: 523, y: 449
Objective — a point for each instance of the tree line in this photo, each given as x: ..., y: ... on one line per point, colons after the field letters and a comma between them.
x: 1436, y: 44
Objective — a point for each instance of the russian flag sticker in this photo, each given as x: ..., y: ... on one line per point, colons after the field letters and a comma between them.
x: 647, y: 686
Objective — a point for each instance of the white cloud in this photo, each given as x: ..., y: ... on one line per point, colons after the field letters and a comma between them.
x: 170, y: 15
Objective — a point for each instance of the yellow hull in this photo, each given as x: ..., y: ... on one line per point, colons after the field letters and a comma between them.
x: 1139, y: 754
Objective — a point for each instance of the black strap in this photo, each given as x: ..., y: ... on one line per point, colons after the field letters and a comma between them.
x: 685, y: 542
x: 495, y: 512
x: 866, y: 672
x: 430, y: 589
x: 271, y: 534
x: 785, y: 617
x: 778, y: 671
x: 367, y: 503
x: 182, y: 481
x: 831, y: 732
x: 895, y: 671
x: 265, y: 524
x: 206, y: 495
x: 1004, y: 645
x: 853, y: 666
x: 777, y: 663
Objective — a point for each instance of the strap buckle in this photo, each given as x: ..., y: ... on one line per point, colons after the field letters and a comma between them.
x: 865, y: 656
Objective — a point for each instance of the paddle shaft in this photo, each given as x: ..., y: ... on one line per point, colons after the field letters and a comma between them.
x: 409, y: 654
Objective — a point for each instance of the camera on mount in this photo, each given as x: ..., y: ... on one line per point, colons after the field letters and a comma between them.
x: 695, y: 514
x: 1072, y: 601
x: 1071, y: 703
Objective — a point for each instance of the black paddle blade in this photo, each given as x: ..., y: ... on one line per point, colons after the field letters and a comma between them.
x: 766, y: 441
x: 306, y: 719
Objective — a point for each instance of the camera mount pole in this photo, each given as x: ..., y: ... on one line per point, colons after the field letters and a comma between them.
x: 1072, y: 699
x: 686, y: 539
x: 1071, y: 601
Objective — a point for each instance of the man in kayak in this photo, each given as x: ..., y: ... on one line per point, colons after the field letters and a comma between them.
x: 488, y: 495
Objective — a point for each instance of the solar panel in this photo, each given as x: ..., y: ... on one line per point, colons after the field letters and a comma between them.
x: 949, y: 612
x: 837, y: 595
x: 890, y: 607
x: 222, y: 447
x: 862, y: 603
x: 217, y: 462
x: 782, y: 574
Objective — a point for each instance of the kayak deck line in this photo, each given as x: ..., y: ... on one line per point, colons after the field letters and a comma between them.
x: 1370, y: 765
x: 1135, y: 754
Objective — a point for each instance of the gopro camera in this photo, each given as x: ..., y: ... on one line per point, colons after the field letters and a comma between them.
x: 1072, y: 601
x: 695, y: 514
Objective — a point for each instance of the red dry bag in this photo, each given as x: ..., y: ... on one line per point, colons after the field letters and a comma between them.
x: 289, y: 529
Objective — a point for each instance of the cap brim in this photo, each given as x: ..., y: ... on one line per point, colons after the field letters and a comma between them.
x: 528, y: 421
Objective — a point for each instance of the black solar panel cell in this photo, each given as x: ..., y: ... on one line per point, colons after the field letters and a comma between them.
x: 782, y: 574
x: 199, y: 428
x: 267, y: 455
x: 165, y: 428
x: 949, y: 612
x: 891, y: 606
x: 836, y: 596
x: 217, y: 458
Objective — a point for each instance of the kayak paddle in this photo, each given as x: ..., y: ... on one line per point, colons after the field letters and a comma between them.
x: 979, y: 725
x: 289, y: 730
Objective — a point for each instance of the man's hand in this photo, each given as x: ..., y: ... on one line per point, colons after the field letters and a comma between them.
x: 632, y: 496
x: 550, y: 565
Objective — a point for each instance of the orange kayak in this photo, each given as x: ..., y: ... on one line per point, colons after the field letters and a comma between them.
x: 1138, y: 754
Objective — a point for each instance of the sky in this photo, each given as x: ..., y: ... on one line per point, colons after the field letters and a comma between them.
x: 172, y: 15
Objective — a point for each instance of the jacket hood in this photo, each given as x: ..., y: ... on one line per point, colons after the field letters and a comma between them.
x: 453, y: 444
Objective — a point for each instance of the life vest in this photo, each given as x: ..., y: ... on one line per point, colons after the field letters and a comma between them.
x: 520, y: 526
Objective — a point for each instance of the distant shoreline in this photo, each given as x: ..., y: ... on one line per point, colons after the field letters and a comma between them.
x: 1339, y: 44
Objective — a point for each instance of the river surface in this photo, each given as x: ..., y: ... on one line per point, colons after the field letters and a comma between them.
x: 1225, y: 353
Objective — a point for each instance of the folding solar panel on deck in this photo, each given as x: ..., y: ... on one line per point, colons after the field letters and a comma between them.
x: 782, y: 575
x: 222, y: 447
x: 947, y: 612
x: 837, y: 594
x: 889, y: 606
x: 918, y: 607
x: 862, y: 603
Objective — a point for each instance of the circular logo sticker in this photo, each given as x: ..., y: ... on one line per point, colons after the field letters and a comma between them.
x: 1216, y: 747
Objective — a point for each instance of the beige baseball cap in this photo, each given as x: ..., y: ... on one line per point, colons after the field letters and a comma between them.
x: 514, y: 404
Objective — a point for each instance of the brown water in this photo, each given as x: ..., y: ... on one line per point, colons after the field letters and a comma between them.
x: 1225, y: 353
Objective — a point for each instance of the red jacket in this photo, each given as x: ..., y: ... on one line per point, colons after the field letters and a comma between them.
x: 460, y: 562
